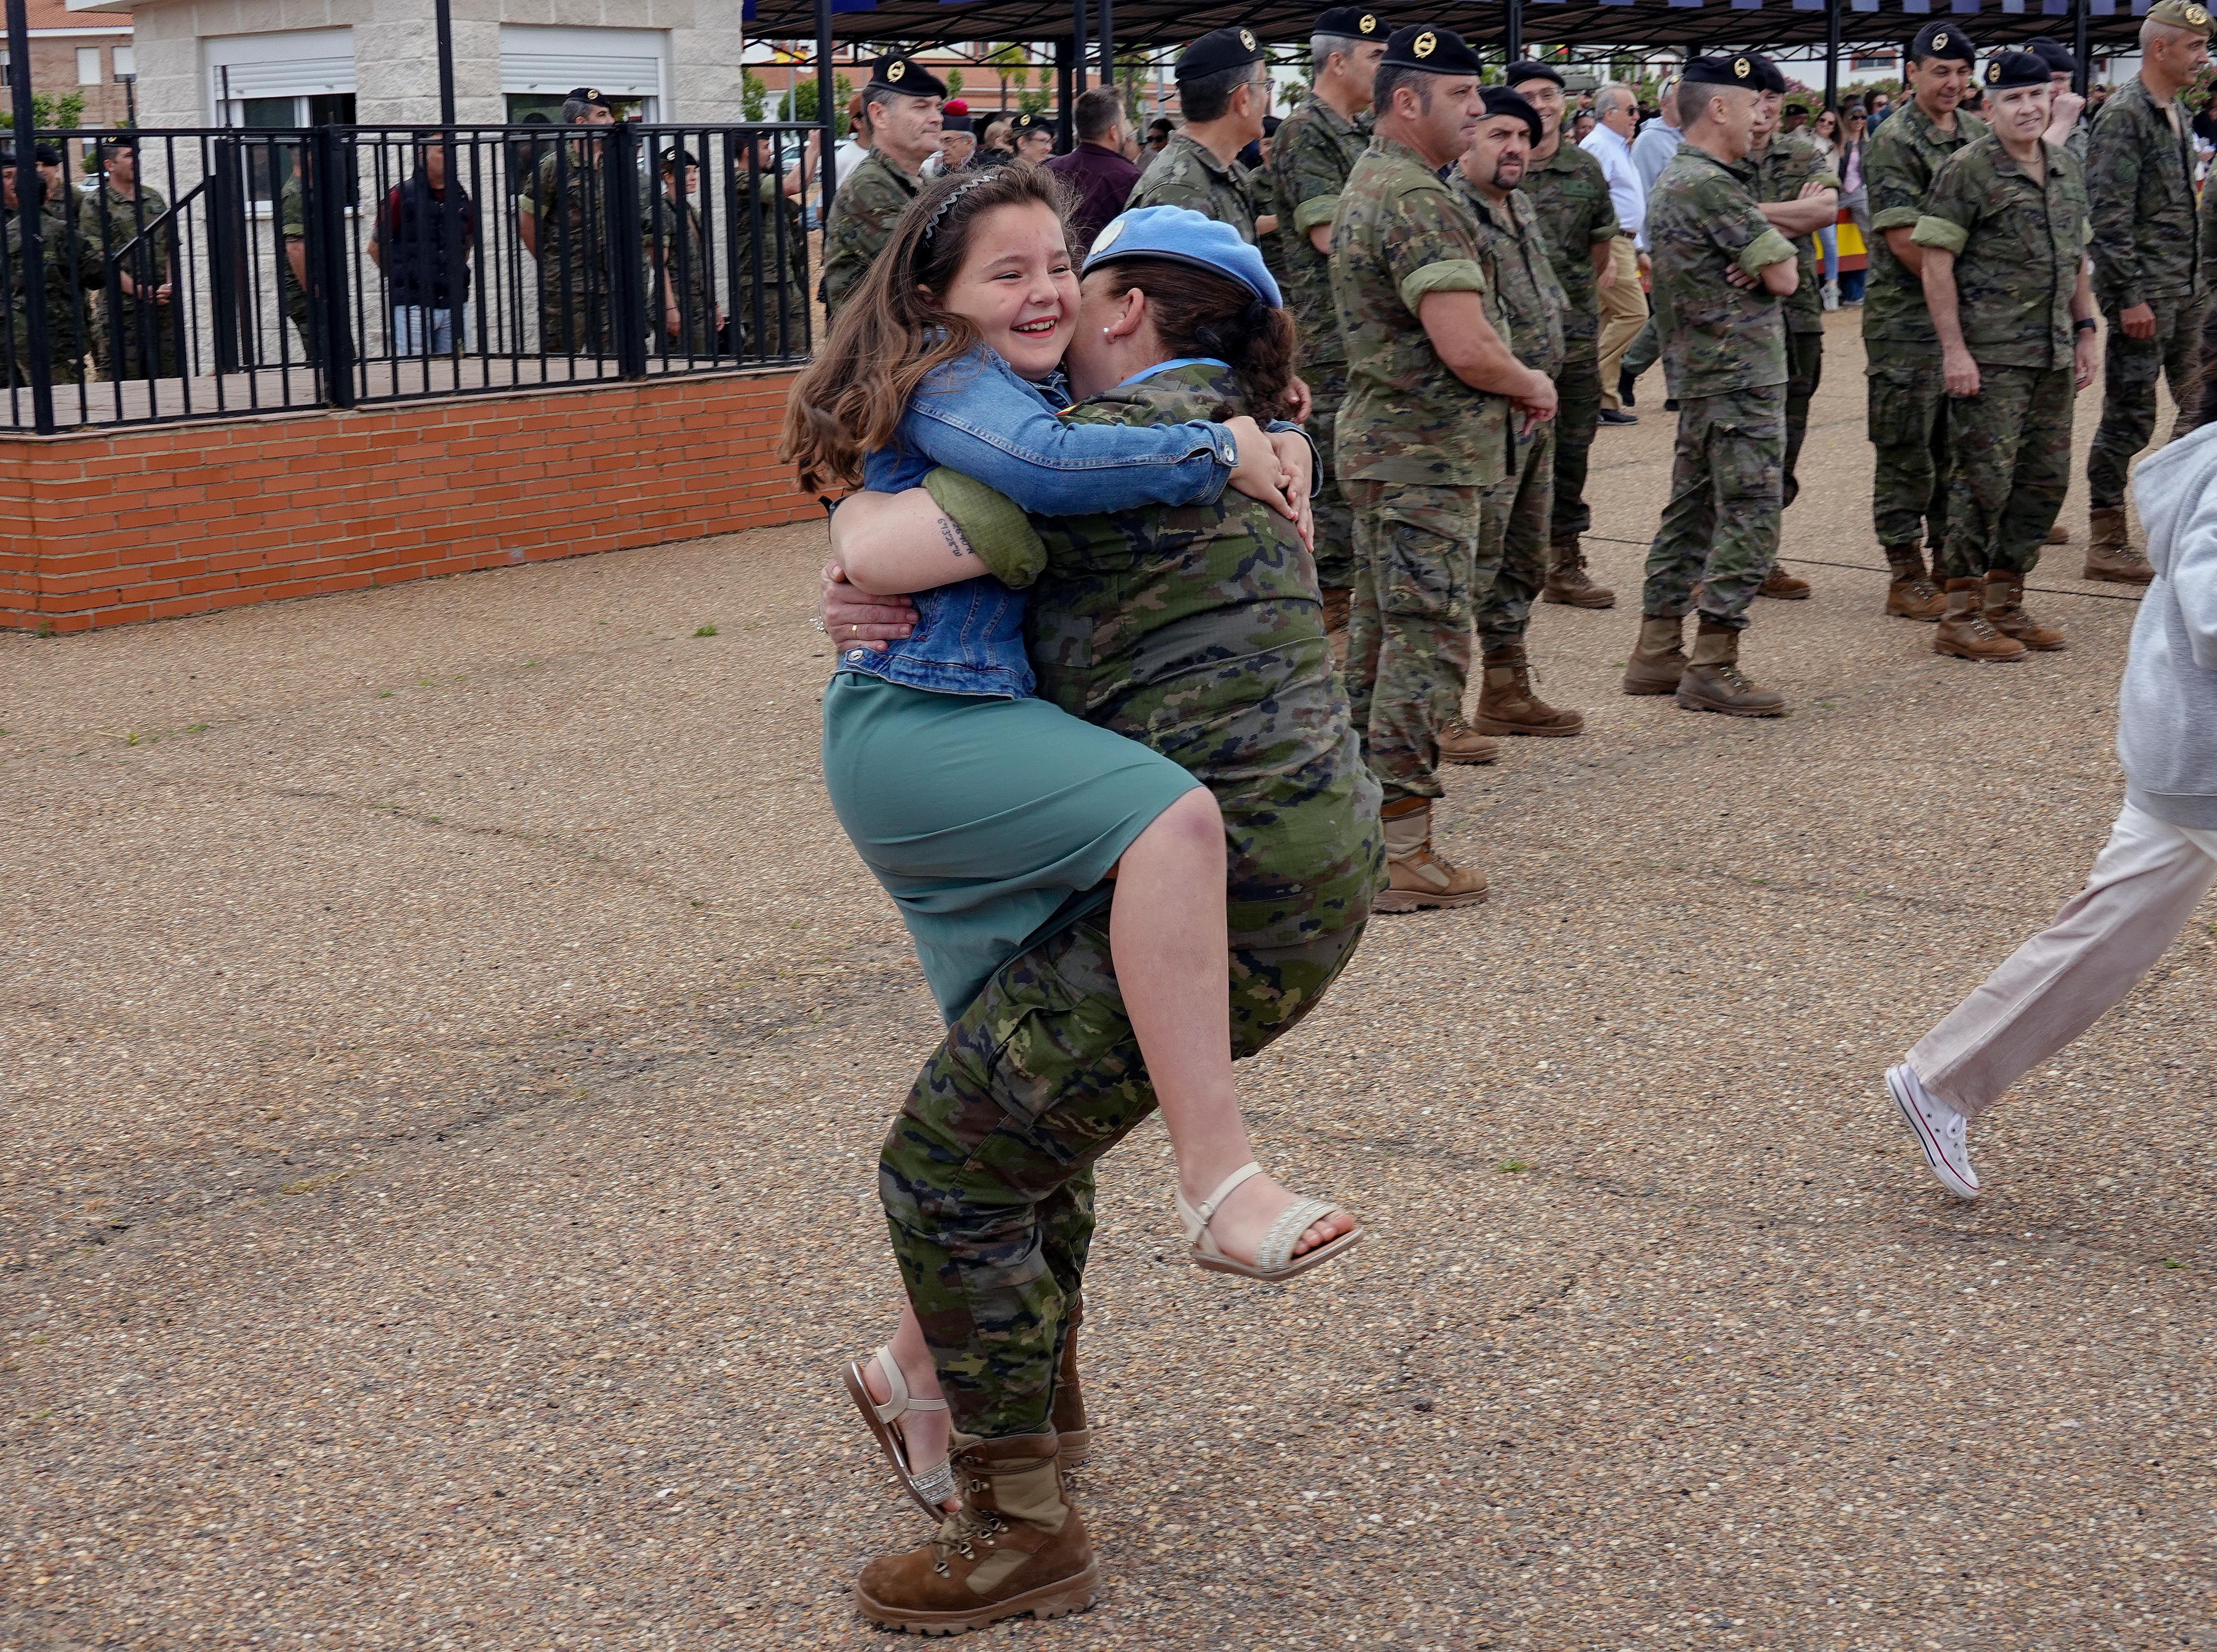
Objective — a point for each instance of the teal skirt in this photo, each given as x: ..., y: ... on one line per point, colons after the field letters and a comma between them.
x: 992, y: 823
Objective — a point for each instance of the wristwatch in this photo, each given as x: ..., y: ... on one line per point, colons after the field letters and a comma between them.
x: 2084, y: 323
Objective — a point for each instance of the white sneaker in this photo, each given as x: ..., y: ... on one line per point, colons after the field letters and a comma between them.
x: 1832, y: 296
x: 1939, y: 1130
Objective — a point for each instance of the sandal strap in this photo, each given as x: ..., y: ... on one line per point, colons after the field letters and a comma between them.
x: 1209, y: 1207
x: 1277, y: 1246
x: 935, y: 1485
x: 899, y: 1401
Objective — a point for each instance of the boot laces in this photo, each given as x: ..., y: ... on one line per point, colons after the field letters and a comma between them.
x: 1922, y: 587
x: 961, y: 1533
x: 1733, y: 678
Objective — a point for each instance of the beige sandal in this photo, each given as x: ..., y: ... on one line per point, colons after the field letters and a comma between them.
x: 1274, y: 1257
x: 935, y: 1485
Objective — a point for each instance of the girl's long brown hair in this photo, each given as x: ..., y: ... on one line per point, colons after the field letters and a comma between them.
x: 1197, y: 311
x: 894, y: 330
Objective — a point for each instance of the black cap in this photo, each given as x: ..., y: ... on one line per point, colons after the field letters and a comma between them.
x: 906, y: 77
x: 587, y: 95
x: 2055, y: 54
x: 117, y: 140
x: 1353, y: 23
x: 674, y: 159
x: 1743, y: 69
x: 45, y: 155
x: 2006, y: 71
x: 1941, y: 40
x: 1773, y: 80
x: 1219, y: 50
x: 1530, y: 69
x: 1433, y: 50
x: 1499, y: 100
x: 1037, y: 121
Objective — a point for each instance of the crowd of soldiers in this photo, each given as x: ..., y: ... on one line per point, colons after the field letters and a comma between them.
x: 107, y: 276
x: 1443, y: 249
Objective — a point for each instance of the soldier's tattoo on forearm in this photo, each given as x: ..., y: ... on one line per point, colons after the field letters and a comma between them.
x: 956, y: 545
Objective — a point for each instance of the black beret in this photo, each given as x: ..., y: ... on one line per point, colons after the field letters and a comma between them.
x: 2007, y: 70
x: 1517, y: 73
x: 1219, y: 50
x: 120, y: 140
x: 907, y: 77
x: 674, y: 159
x: 1499, y: 100
x: 1941, y: 40
x: 1745, y: 69
x: 1773, y: 80
x: 1353, y: 23
x: 2055, y: 54
x: 1433, y: 50
x: 1037, y: 121
x: 587, y: 95
x: 47, y: 155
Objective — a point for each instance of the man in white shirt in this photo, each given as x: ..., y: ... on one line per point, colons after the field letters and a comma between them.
x: 1623, y: 305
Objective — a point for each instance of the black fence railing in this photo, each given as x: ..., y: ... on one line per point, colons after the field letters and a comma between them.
x: 228, y: 272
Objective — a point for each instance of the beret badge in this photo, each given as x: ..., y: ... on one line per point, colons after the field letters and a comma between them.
x: 1425, y: 43
x: 895, y: 70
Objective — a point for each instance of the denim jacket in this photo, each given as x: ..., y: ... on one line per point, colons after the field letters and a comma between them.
x: 976, y: 417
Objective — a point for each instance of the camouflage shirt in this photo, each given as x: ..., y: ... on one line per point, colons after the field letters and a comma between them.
x: 110, y: 220
x: 1400, y: 234
x: 64, y: 282
x: 1197, y: 630
x: 679, y: 275
x: 2018, y: 247
x: 2139, y: 182
x: 1522, y: 274
x: 1187, y: 175
x: 784, y: 265
x: 1314, y: 151
x: 566, y: 195
x: 1899, y: 166
x: 1701, y: 221
x: 1787, y: 162
x: 864, y: 209
x: 1574, y: 211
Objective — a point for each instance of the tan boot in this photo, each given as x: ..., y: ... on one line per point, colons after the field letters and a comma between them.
x: 1460, y: 743
x: 2003, y: 602
x: 1912, y: 594
x: 1506, y: 704
x: 1786, y: 587
x: 2109, y: 552
x: 1566, y: 581
x: 1659, y: 660
x: 2059, y: 534
x: 1073, y: 1430
x: 1713, y: 681
x: 1964, y: 632
x: 1016, y: 1546
x: 1417, y: 878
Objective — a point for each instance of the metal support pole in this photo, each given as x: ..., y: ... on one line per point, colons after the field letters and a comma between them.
x: 1078, y: 53
x: 1064, y: 50
x: 328, y: 241
x: 826, y: 91
x: 445, y: 14
x: 2081, y: 48
x: 1107, y: 33
x: 1512, y: 29
x: 28, y: 187
x: 1832, y: 53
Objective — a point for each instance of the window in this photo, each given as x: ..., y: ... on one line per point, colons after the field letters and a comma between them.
x: 295, y: 78
x: 538, y: 65
x: 88, y: 65
x: 126, y: 61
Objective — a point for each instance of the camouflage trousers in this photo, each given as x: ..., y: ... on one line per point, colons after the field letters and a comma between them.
x: 1578, y: 415
x: 1335, y: 518
x: 132, y: 340
x: 1804, y: 371
x: 2130, y: 367
x: 1512, y: 540
x: 574, y: 318
x: 1907, y: 424
x: 1719, y: 530
x: 2009, y: 451
x: 1417, y: 582
x: 987, y: 1175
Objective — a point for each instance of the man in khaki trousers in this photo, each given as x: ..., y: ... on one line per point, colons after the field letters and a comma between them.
x: 1623, y: 305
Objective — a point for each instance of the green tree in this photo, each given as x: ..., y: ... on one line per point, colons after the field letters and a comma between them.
x: 754, y: 96
x: 49, y: 112
x: 804, y: 95
x: 1007, y: 59
x: 954, y: 82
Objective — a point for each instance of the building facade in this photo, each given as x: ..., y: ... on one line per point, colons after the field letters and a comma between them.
x: 91, y: 57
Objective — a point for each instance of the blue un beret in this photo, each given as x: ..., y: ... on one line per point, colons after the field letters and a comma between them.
x: 1180, y: 235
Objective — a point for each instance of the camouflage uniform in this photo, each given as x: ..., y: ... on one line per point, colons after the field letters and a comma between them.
x: 1576, y: 214
x: 2018, y: 249
x: 64, y: 280
x: 1417, y: 448
x: 1790, y: 162
x: 1196, y: 631
x: 678, y: 260
x: 1188, y: 174
x: 863, y: 212
x: 1314, y: 151
x: 567, y: 196
x: 1513, y: 533
x: 1901, y: 354
x: 1264, y: 193
x: 1724, y: 356
x: 786, y: 283
x: 132, y: 337
x: 293, y: 226
x: 2147, y: 250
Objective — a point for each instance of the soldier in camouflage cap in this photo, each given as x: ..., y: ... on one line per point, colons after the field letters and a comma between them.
x: 1906, y: 418
x: 2004, y: 234
x: 1424, y: 431
x: 1224, y: 84
x: 2148, y: 275
x: 901, y: 120
x: 1720, y: 271
x: 1315, y: 147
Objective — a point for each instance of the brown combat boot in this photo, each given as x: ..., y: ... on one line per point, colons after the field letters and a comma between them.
x: 1659, y: 660
x: 1786, y: 587
x: 1566, y: 582
x: 1713, y: 681
x: 2004, y: 606
x: 1016, y: 1546
x: 1912, y: 594
x: 1417, y: 878
x: 1964, y: 632
x: 1460, y: 743
x: 2109, y: 552
x: 1073, y: 1430
x: 1506, y: 704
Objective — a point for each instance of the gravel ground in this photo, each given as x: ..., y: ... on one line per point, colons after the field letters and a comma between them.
x: 448, y: 1041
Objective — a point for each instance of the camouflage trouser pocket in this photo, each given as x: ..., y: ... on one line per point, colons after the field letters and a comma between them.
x: 1424, y: 545
x: 1904, y: 402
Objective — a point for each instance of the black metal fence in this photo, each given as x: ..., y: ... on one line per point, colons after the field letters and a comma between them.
x: 228, y: 272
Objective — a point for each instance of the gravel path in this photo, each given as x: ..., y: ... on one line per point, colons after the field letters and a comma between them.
x: 449, y: 1040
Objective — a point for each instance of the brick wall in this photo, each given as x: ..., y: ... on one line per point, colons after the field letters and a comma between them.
x: 107, y: 527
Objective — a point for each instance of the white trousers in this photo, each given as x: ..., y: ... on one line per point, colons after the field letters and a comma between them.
x: 2144, y: 886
